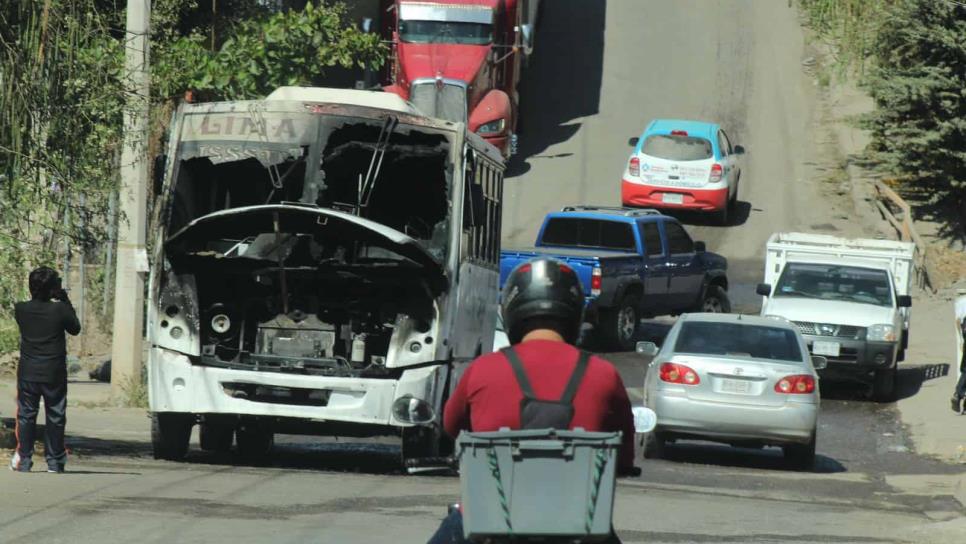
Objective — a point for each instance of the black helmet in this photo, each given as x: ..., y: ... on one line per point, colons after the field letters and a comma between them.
x: 542, y: 291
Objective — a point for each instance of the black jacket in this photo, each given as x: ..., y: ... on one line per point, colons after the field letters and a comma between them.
x: 43, y: 345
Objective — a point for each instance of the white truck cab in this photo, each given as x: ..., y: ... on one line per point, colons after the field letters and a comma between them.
x: 848, y: 297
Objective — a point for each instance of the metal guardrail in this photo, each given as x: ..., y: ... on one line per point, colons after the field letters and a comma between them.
x: 927, y: 273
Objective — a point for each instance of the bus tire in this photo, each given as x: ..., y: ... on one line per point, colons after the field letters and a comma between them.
x: 170, y: 434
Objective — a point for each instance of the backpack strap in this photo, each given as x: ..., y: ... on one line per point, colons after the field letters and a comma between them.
x: 571, y: 390
x: 521, y: 374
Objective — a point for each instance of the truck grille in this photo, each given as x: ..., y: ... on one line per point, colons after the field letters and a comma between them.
x: 828, y: 329
x: 446, y: 102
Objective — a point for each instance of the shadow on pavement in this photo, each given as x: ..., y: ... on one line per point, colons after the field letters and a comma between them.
x: 909, y: 382
x: 738, y: 217
x: 563, y: 79
x: 727, y: 456
x: 911, y: 378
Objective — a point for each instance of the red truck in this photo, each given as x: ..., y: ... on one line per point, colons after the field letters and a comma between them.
x: 460, y: 60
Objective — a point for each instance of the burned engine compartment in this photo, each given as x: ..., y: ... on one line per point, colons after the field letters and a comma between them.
x: 306, y: 268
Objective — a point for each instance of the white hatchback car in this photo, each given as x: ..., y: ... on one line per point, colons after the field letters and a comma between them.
x: 737, y: 379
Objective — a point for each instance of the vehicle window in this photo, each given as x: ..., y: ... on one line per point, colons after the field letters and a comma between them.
x: 677, y: 148
x: 614, y: 235
x: 652, y: 239
x: 835, y: 282
x: 759, y: 342
x: 678, y: 240
x: 589, y: 233
x: 561, y: 232
x: 453, y: 32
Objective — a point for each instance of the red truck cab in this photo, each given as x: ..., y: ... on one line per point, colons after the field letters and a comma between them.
x: 460, y: 60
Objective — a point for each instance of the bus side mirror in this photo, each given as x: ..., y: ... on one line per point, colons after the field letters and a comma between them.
x: 157, y: 171
x: 763, y: 289
x: 474, y: 208
x: 904, y: 301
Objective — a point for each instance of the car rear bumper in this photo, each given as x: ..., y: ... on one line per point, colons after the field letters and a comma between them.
x: 793, y: 422
x: 652, y: 196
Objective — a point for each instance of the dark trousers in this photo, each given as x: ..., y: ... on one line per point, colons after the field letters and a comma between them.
x: 451, y: 531
x: 28, y: 405
x: 960, y: 391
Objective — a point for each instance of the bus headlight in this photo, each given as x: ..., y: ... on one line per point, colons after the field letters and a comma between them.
x: 409, y: 409
x: 220, y: 323
x: 881, y: 333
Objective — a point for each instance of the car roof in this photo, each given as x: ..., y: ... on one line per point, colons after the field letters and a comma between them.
x: 693, y: 128
x: 741, y: 319
x: 628, y: 215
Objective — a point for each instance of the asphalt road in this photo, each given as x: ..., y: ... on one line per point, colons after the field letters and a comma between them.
x: 601, y: 71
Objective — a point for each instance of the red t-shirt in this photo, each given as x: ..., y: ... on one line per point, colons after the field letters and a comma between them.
x: 488, y: 396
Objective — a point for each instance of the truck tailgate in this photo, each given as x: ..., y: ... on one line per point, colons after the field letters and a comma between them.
x: 582, y: 261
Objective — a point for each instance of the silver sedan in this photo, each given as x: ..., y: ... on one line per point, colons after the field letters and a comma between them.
x: 737, y: 379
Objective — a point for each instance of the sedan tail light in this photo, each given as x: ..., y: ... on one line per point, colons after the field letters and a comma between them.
x: 596, y: 281
x: 716, y: 173
x: 635, y: 167
x: 675, y: 373
x: 798, y: 384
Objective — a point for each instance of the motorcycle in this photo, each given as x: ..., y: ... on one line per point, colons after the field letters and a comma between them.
x: 547, y: 486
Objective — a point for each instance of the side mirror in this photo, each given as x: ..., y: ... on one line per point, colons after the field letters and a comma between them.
x: 739, y: 150
x: 158, y: 171
x: 645, y: 419
x: 526, y: 37
x: 904, y: 301
x: 647, y: 349
x: 474, y: 206
x: 366, y: 25
x: 633, y: 141
x: 763, y: 289
x: 700, y: 247
x: 819, y: 362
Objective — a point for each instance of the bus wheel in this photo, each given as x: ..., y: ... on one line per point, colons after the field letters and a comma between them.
x: 170, y: 434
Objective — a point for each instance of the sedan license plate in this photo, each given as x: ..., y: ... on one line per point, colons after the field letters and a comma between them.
x: 673, y: 198
x: 830, y: 349
x: 741, y: 387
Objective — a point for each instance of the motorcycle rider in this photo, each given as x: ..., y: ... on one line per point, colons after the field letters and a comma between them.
x: 519, y: 387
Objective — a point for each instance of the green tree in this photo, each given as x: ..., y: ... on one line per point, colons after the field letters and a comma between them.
x: 919, y: 87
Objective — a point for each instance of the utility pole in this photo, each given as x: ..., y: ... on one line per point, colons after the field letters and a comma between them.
x: 126, y: 347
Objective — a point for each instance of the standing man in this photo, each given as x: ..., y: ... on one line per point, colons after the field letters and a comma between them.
x: 960, y: 310
x: 42, y: 372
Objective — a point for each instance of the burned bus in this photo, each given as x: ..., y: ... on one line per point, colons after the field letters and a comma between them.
x: 326, y: 263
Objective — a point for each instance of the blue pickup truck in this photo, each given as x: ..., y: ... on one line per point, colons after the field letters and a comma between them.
x: 632, y: 263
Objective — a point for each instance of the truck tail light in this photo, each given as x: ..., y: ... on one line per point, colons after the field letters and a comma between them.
x: 797, y: 384
x: 635, y: 167
x: 716, y: 172
x: 595, y: 281
x: 682, y: 374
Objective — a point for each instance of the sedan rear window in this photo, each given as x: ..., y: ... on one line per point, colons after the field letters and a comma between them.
x: 677, y: 148
x: 756, y: 341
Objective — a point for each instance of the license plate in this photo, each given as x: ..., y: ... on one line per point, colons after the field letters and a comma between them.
x: 673, y: 198
x: 825, y: 348
x: 741, y: 387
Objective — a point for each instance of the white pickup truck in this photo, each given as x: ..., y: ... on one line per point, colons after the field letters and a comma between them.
x: 849, y: 298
